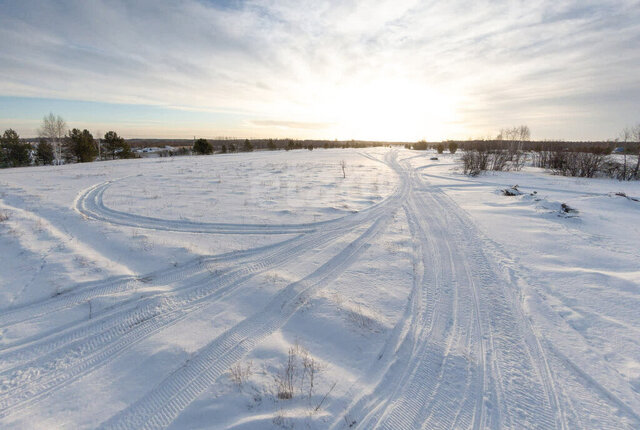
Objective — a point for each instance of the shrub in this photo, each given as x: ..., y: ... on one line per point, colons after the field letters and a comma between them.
x: 453, y: 147
x: 203, y: 147
x: 580, y: 162
x: 440, y: 148
x: 240, y: 374
x: 285, y: 380
x: 420, y: 146
x: 474, y: 162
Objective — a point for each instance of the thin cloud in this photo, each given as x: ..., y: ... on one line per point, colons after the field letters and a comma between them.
x: 303, y: 62
x: 291, y: 124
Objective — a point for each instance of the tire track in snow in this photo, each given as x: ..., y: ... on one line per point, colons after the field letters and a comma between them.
x: 202, y: 265
x: 526, y: 394
x: 84, y: 350
x: 482, y: 370
x: 195, y: 273
x: 440, y: 321
x: 80, y: 294
x: 88, y: 347
x: 90, y: 204
x: 165, y: 402
x: 581, y: 400
x: 440, y: 325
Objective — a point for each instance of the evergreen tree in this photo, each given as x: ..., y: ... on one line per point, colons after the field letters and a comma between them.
x: 44, y: 152
x: 248, y: 146
x: 223, y: 149
x: 202, y: 146
x: 290, y: 145
x: 15, y: 152
x: 116, y: 146
x: 271, y: 145
x: 79, y: 146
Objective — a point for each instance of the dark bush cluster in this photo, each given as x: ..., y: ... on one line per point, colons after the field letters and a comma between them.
x: 14, y: 152
x: 202, y: 147
x: 567, y: 159
x: 492, y: 155
x: 580, y: 162
x: 421, y: 146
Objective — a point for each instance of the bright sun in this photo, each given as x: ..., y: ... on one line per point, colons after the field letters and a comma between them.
x: 391, y: 110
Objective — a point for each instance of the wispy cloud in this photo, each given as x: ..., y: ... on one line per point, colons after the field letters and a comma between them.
x: 396, y: 69
x: 291, y: 124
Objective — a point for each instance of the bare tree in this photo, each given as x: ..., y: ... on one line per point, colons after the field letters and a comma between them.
x: 523, y: 133
x: 626, y: 135
x: 54, y: 129
x: 99, y: 144
x: 635, y: 133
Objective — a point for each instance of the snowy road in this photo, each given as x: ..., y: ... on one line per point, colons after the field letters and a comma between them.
x: 468, y: 348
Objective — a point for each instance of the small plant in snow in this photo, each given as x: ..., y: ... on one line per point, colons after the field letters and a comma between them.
x: 311, y: 368
x: 4, y: 216
x: 285, y: 380
x: 358, y: 317
x: 240, y: 374
x: 300, y: 370
x: 343, y: 166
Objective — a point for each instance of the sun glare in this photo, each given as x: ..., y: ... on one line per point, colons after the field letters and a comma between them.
x: 392, y: 110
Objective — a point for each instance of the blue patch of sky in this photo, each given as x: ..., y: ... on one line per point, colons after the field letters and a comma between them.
x: 225, y: 4
x: 99, y: 112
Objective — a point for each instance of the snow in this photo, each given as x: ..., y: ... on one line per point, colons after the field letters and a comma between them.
x: 425, y: 298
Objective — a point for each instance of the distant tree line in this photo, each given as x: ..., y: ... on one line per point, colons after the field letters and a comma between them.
x: 224, y: 146
x: 513, y: 149
x: 57, y: 145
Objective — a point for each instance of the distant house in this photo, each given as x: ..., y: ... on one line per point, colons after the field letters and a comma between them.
x: 618, y: 150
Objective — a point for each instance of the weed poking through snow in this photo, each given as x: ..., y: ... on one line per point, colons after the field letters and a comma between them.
x: 240, y: 374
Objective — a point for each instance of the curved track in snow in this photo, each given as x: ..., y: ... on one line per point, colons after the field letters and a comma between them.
x: 464, y: 355
x: 31, y: 368
x: 90, y: 203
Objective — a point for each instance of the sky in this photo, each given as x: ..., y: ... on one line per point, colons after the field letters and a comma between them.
x: 398, y: 70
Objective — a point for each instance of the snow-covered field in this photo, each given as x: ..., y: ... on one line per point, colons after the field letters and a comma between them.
x: 264, y: 290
